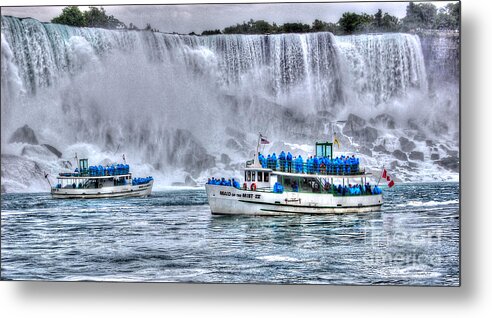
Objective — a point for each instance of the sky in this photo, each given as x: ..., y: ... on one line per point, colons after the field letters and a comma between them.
x: 186, y: 18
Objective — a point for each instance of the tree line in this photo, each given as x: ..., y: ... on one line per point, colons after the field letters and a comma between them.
x: 418, y: 16
x: 94, y: 18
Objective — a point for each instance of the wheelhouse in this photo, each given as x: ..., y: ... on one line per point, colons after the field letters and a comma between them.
x: 258, y: 178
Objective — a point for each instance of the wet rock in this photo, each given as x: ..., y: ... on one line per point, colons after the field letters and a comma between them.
x: 398, y: 154
x: 185, y: 151
x: 434, y: 156
x: 412, y: 124
x: 189, y: 181
x: 24, y: 134
x: 384, y: 120
x: 449, y: 152
x: 417, y: 155
x: 354, y: 123
x: 450, y: 163
x: 325, y: 114
x: 36, y: 151
x: 381, y: 148
x: 233, y: 144
x: 55, y: 151
x: 419, y: 137
x: 356, y: 127
x: 19, y: 173
x: 429, y: 143
x: 452, y: 153
x: 366, y: 151
x: 439, y: 127
x: 225, y: 159
x: 406, y: 145
x: 235, y: 133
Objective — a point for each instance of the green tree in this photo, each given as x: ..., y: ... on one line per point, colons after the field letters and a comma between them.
x: 321, y: 26
x: 390, y: 23
x: 378, y: 19
x: 295, y: 28
x: 70, y: 15
x: 97, y: 18
x: 421, y: 15
x: 351, y: 22
x: 211, y: 32
x: 448, y: 17
x: 261, y: 27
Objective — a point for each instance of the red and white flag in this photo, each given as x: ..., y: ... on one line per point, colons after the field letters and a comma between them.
x: 386, y: 176
x: 263, y: 140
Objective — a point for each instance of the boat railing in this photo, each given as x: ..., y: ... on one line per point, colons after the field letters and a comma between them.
x: 87, y: 174
x: 311, y: 168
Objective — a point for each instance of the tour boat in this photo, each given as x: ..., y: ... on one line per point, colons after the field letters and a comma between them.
x: 322, y: 186
x: 114, y: 181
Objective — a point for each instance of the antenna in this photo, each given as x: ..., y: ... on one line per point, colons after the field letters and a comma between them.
x: 46, y: 176
x: 77, y: 161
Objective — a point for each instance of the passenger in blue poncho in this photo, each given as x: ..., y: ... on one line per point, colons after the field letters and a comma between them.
x: 281, y: 160
x: 262, y: 160
x: 295, y: 187
x: 274, y: 161
x: 316, y: 164
x: 289, y: 162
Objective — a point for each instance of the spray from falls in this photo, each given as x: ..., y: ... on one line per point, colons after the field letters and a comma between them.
x: 179, y: 103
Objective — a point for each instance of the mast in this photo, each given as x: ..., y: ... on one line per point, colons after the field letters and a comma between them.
x: 256, y: 160
x: 77, y: 162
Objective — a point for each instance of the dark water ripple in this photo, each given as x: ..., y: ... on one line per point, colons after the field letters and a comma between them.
x: 172, y: 237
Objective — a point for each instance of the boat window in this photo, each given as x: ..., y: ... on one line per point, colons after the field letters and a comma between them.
x: 253, y: 176
x: 248, y: 176
x: 286, y: 181
x: 260, y: 176
x: 267, y: 176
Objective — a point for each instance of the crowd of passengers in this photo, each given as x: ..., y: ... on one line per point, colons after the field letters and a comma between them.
x: 356, y: 189
x: 97, y: 171
x: 343, y: 165
x: 349, y: 189
x: 224, y: 182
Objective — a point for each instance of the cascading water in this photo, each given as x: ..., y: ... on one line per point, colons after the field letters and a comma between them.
x: 178, y: 104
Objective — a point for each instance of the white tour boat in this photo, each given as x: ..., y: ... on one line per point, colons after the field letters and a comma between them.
x: 113, y: 181
x: 320, y: 185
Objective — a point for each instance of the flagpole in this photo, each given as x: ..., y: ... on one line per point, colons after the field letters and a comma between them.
x: 380, y: 176
x: 256, y: 160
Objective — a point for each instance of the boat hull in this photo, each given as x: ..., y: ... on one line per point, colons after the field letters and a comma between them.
x: 142, y: 190
x: 229, y: 200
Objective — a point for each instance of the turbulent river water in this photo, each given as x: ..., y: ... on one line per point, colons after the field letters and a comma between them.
x: 172, y: 237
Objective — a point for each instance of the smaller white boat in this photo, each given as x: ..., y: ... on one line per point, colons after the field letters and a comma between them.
x: 88, y: 182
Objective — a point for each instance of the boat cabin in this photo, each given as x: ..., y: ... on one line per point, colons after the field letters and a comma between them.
x: 258, y: 178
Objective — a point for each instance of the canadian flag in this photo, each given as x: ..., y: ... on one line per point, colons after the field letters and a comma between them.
x: 388, y: 178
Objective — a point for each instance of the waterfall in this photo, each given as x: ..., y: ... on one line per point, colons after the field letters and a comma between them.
x: 140, y: 92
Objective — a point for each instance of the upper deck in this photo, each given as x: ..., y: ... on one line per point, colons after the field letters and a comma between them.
x: 322, y: 164
x: 87, y: 176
